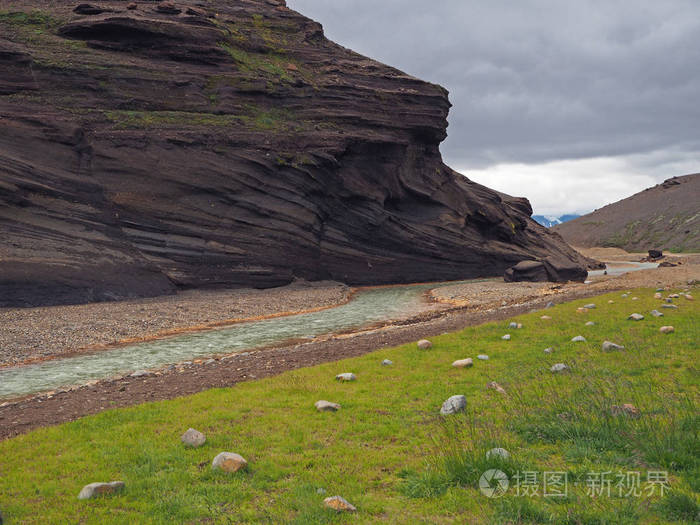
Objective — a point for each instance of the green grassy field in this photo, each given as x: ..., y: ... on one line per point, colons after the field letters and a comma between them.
x: 388, y: 451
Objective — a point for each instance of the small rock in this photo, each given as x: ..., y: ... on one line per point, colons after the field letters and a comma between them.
x: 498, y: 453
x: 495, y: 386
x: 168, y: 8
x: 548, y: 350
x: 131, y: 6
x: 387, y: 362
x: 611, y: 301
x: 669, y: 306
x: 581, y: 310
x: 506, y: 337
x: 624, y: 295
x: 346, y: 376
x: 463, y: 363
x: 608, y: 346
x: 140, y: 373
x: 453, y: 405
x: 578, y: 339
x: 513, y: 325
x: 339, y: 504
x: 669, y: 300
x: 689, y: 297
x: 326, y: 406
x: 627, y: 409
x: 657, y: 295
x: 94, y: 490
x: 559, y: 367
x: 483, y: 357
x: 656, y: 313
x: 229, y: 462
x: 545, y: 317
x: 193, y: 438
x: 667, y: 329
x: 589, y: 306
x: 590, y: 323
x: 210, y: 361
x: 659, y: 289
x: 636, y: 317
x: 520, y: 325
x: 635, y: 298
x: 674, y: 296
x: 424, y: 344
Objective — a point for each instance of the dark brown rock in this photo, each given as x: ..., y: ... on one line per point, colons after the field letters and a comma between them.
x: 168, y: 8
x: 533, y: 271
x: 179, y: 152
x: 90, y: 9
x: 655, y: 254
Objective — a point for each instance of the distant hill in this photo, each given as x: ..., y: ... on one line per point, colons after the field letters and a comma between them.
x: 666, y: 217
x: 548, y: 220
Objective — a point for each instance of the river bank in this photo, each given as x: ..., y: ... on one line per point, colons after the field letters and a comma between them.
x: 35, y: 334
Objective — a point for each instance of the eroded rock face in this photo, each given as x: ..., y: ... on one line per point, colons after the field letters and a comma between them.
x: 144, y: 150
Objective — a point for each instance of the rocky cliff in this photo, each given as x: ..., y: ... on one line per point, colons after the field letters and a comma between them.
x: 146, y: 147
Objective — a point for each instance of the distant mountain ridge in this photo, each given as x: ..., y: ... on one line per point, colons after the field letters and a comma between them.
x: 549, y: 221
x: 665, y: 216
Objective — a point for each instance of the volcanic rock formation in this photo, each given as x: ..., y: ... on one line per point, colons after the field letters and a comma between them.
x: 148, y: 147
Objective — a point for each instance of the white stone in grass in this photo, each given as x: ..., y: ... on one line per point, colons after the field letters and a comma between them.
x: 550, y: 304
x: 657, y: 295
x: 326, y: 406
x: 506, y: 337
x: 498, y: 453
x: 635, y: 317
x: 513, y: 325
x: 483, y: 357
x: 424, y: 344
x: 229, y: 462
x: 346, y: 376
x: 589, y: 306
x: 669, y: 306
x: 667, y: 329
x: 590, y: 323
x: 339, y: 504
x: 520, y: 325
x: 453, y: 405
x: 635, y: 298
x: 624, y: 295
x: 559, y: 367
x: 611, y: 301
x: 689, y: 297
x: 656, y: 313
x: 674, y: 296
x: 463, y: 363
x: 545, y: 317
x: 387, y: 362
x: 548, y: 350
x: 609, y: 346
x: 578, y: 339
x: 93, y: 490
x: 193, y: 438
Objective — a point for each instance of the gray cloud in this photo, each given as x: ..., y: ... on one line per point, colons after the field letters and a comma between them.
x: 535, y: 81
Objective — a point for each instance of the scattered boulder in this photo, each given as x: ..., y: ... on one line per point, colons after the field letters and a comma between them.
x: 453, y: 405
x: 463, y: 363
x: 131, y: 6
x: 140, y: 373
x: 229, y: 462
x: 657, y: 295
x: 609, y: 346
x: 483, y: 357
x: 94, y: 490
x: 635, y: 317
x: 689, y: 297
x: 674, y: 296
x: 513, y: 325
x: 387, y: 362
x: 553, y: 269
x: 578, y: 339
x: 339, y: 504
x: 610, y: 301
x: 531, y: 271
x: 545, y: 317
x: 498, y: 453
x: 669, y: 306
x: 495, y: 386
x: 581, y: 310
x: 548, y: 350
x: 627, y: 409
x: 590, y: 323
x: 656, y: 313
x: 624, y: 295
x: 193, y: 11
x: 550, y: 304
x: 346, y: 376
x: 559, y: 367
x: 506, y: 337
x: 193, y: 438
x: 326, y: 406
x: 667, y: 329
x: 655, y: 254
x: 168, y: 8
x: 668, y: 300
x: 635, y: 298
x: 424, y: 344
x: 590, y: 306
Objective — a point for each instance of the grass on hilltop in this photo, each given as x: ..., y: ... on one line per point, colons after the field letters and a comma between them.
x: 387, y: 450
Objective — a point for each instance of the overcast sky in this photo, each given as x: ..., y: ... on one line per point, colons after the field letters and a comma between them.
x: 572, y: 104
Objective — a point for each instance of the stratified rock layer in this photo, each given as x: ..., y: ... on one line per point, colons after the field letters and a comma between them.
x: 229, y: 144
